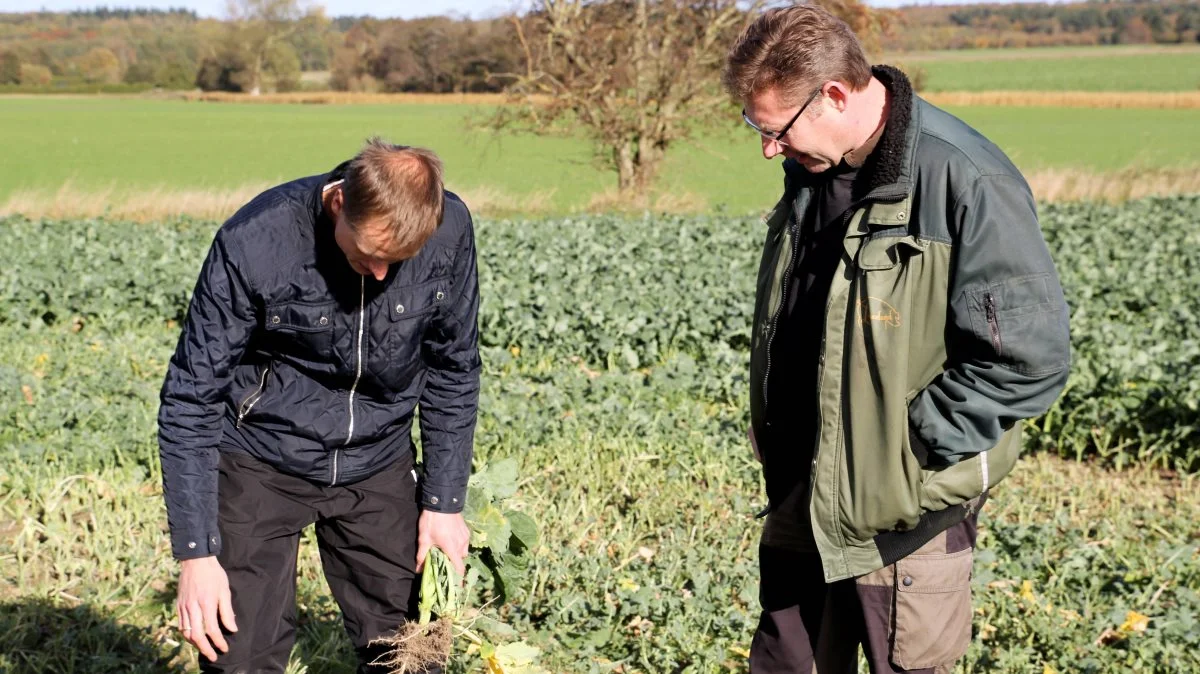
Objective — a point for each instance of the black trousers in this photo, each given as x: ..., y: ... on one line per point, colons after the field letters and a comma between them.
x: 367, y: 536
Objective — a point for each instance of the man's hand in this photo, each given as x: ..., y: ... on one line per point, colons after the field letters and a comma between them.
x: 754, y: 445
x: 448, y: 532
x: 203, y: 595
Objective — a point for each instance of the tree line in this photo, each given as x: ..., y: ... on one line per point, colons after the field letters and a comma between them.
x: 270, y: 44
x: 1097, y: 22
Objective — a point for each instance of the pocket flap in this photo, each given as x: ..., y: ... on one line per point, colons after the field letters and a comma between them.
x: 934, y: 573
x: 300, y: 316
x: 415, y: 300
x: 883, y: 252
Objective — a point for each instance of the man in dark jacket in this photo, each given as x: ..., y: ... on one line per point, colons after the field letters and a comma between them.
x: 329, y: 311
x: 908, y: 317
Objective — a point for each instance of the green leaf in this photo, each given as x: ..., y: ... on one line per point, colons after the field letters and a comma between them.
x: 490, y: 529
x: 524, y: 531
x: 498, y: 479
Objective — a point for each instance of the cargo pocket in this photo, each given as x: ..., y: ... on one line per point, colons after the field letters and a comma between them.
x: 933, y: 610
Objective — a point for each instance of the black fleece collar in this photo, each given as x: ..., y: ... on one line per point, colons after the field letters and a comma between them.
x: 885, y: 166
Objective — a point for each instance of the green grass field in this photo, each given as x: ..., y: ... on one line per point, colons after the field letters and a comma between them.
x: 95, y: 143
x: 1135, y: 68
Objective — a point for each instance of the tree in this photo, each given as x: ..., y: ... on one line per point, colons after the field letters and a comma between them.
x: 35, y: 75
x: 637, y: 76
x: 99, y: 66
x: 227, y: 70
x: 869, y: 25
x: 10, y: 68
x: 284, y: 65
x: 257, y: 27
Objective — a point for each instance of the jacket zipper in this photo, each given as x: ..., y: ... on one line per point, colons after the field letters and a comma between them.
x: 787, y: 276
x: 989, y: 306
x: 362, y: 291
x: 846, y: 217
x: 250, y: 400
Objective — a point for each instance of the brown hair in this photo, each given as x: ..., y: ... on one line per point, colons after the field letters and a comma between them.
x: 398, y: 185
x: 794, y: 50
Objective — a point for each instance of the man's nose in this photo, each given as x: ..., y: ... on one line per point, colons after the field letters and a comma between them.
x: 378, y: 270
x: 770, y: 147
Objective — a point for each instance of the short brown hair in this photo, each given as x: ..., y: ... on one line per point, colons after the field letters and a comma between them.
x: 794, y: 50
x: 397, y: 185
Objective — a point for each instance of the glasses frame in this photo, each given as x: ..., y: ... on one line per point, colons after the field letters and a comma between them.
x: 778, y: 135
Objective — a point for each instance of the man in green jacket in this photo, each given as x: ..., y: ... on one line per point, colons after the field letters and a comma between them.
x: 908, y: 317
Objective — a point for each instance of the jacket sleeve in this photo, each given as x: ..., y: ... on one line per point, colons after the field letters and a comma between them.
x: 219, y: 323
x: 450, y: 399
x: 1007, y: 335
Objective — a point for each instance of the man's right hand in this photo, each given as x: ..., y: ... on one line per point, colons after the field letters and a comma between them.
x: 203, y: 596
x: 754, y: 445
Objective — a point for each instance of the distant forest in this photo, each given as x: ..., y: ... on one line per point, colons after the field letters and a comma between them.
x: 112, y: 49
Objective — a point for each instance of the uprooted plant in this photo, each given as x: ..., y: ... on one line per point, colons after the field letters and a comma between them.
x: 502, y: 542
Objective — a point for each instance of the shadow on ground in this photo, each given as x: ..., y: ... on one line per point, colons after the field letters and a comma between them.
x: 38, y: 636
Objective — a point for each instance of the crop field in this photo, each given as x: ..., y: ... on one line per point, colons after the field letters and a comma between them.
x: 107, y: 150
x: 1109, y: 68
x: 615, y: 352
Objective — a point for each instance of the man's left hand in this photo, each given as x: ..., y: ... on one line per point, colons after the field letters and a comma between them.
x: 448, y: 532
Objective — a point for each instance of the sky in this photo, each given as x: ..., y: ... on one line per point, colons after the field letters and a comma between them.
x: 405, y: 9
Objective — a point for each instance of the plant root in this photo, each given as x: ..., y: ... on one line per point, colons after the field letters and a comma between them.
x: 416, y: 648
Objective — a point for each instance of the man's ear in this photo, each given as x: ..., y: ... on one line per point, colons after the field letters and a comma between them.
x: 337, y: 201
x: 838, y: 94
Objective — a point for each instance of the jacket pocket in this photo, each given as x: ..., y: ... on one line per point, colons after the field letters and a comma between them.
x: 409, y: 302
x: 885, y: 251
x: 410, y: 310
x: 1019, y: 322
x: 303, y: 329
x: 933, y: 610
x: 248, y: 401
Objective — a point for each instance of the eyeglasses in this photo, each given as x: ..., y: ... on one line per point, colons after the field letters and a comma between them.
x: 778, y: 136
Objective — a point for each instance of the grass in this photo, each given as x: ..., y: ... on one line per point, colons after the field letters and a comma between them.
x: 1135, y: 68
x: 1186, y: 100
x: 120, y: 149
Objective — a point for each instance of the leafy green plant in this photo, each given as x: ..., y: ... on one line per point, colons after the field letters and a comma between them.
x: 501, y: 544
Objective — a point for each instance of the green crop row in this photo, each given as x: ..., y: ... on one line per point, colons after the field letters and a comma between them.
x: 672, y: 295
x: 615, y: 373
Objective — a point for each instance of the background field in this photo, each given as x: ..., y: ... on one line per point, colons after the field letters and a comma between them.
x: 1109, y: 68
x: 128, y: 145
x: 622, y: 340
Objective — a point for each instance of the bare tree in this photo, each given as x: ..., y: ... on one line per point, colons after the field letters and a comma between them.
x: 636, y: 75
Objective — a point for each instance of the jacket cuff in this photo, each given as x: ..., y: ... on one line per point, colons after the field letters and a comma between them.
x: 442, y: 498
x: 195, y: 544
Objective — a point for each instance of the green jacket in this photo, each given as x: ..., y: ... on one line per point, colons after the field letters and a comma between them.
x: 945, y: 327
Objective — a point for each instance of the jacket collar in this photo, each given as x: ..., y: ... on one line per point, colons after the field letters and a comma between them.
x: 316, y: 200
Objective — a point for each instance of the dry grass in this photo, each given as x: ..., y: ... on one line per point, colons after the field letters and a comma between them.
x: 1175, y: 100
x: 612, y: 201
x: 1024, y: 54
x: 346, y: 98
x: 1130, y: 183
x: 145, y: 205
x: 493, y: 202
x: 148, y: 205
